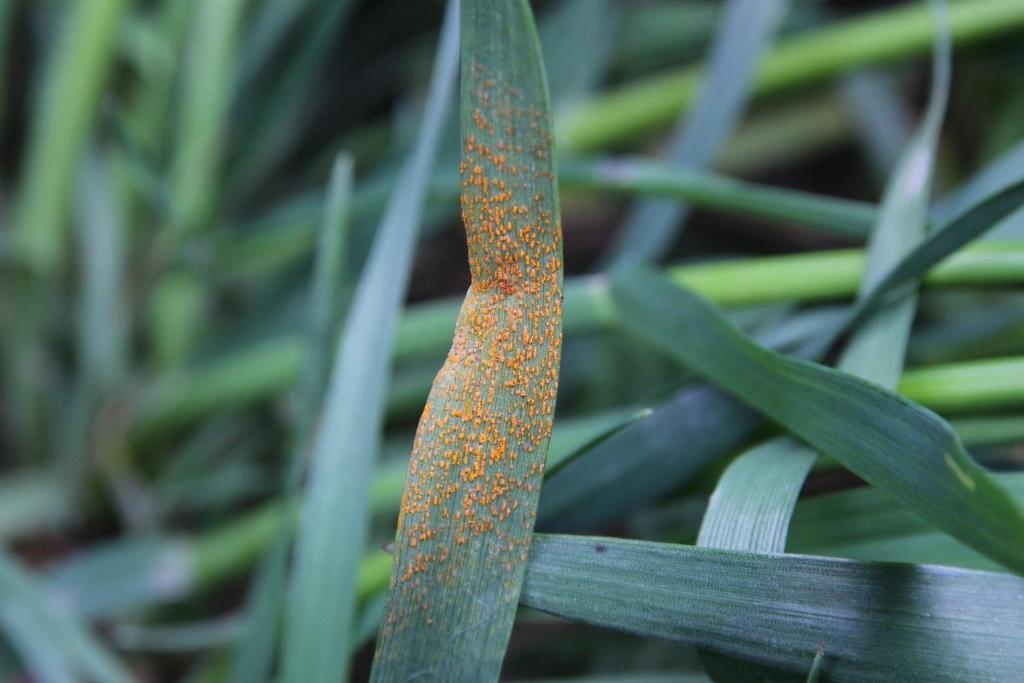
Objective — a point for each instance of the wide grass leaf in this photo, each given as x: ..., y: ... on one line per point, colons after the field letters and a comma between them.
x: 884, y: 438
x: 322, y: 596
x: 474, y: 478
x: 874, y: 621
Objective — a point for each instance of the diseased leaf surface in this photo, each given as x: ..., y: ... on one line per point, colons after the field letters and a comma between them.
x: 474, y: 477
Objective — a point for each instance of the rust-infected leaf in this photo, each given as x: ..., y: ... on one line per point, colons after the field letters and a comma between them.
x: 474, y: 478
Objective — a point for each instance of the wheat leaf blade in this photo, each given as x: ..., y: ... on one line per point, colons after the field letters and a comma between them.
x: 875, y: 621
x: 474, y: 477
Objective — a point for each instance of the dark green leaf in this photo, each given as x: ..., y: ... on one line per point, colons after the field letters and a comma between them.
x: 866, y: 524
x: 887, y: 440
x: 874, y: 621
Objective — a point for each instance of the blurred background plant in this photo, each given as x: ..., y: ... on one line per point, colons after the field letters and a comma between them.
x: 189, y: 192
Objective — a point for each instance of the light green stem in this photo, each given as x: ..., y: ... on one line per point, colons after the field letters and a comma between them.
x: 972, y: 385
x: 426, y: 329
x: 63, y: 118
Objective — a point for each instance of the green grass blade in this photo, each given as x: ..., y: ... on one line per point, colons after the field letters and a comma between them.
x: 940, y: 244
x: 574, y: 67
x: 270, y: 26
x: 747, y: 27
x: 254, y: 655
x: 887, y: 440
x: 989, y: 430
x: 754, y: 498
x: 678, y: 440
x: 875, y: 621
x: 278, y: 123
x: 884, y: 122
x: 153, y: 571
x: 327, y: 556
x: 175, y: 314
x: 328, y: 277
x: 40, y: 660
x: 63, y: 118
x: 474, y: 477
x: 40, y: 622
x: 874, y: 38
x: 640, y: 177
x: 205, y: 96
x: 570, y: 437
x: 150, y: 109
x: 674, y: 443
x: 865, y: 524
x: 994, y: 176
x: 102, y: 325
x: 876, y: 350
x: 990, y: 383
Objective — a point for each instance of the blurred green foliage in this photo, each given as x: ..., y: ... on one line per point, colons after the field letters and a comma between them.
x: 180, y: 245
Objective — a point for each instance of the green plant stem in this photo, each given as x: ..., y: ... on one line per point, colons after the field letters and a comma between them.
x: 966, y: 386
x: 988, y: 430
x: 814, y: 55
x: 204, y: 109
x: 426, y: 329
x: 64, y: 114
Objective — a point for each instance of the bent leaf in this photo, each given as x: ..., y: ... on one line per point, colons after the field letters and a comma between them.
x: 887, y: 440
x: 474, y: 477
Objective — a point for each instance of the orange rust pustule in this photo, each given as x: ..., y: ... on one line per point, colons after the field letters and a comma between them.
x: 478, y: 458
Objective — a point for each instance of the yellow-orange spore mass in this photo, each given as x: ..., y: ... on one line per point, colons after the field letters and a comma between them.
x: 478, y: 459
